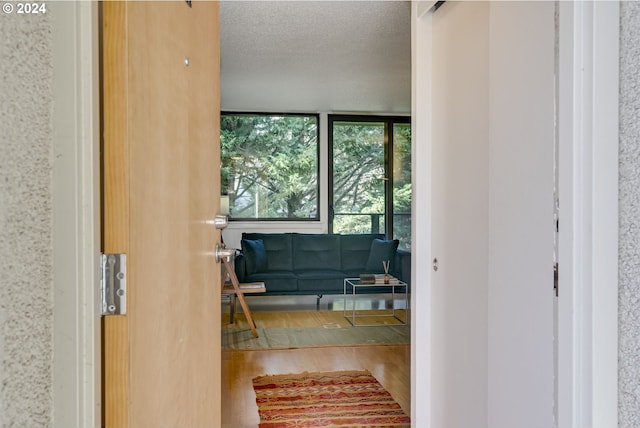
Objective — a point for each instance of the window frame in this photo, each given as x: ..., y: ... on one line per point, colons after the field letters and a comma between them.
x: 316, y: 218
x: 389, y: 121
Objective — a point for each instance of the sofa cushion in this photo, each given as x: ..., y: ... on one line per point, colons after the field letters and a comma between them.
x: 278, y: 248
x: 316, y: 252
x: 381, y: 250
x: 355, y: 251
x: 320, y: 281
x: 320, y: 274
x: 276, y: 281
x: 255, y: 255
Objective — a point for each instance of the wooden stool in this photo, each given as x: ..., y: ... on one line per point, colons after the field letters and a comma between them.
x: 235, y: 290
x: 247, y: 288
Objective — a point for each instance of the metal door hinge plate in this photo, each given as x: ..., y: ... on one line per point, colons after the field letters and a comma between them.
x: 113, y: 286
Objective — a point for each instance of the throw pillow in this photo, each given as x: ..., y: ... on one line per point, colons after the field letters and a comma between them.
x: 255, y: 255
x: 381, y: 250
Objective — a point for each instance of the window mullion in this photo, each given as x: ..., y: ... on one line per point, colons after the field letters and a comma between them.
x: 388, y: 166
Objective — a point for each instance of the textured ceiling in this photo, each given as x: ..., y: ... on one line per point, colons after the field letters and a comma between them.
x: 334, y: 56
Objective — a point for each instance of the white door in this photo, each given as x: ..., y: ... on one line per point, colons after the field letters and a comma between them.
x: 521, y: 222
x: 493, y: 97
x: 460, y: 217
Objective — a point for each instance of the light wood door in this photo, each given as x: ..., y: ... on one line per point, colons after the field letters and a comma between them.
x: 160, y: 69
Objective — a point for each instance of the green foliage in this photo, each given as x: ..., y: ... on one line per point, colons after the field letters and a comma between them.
x: 402, y: 184
x: 358, y: 167
x: 270, y: 165
x: 360, y: 178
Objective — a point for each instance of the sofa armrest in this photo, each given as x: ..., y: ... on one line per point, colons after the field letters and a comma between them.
x: 402, y: 265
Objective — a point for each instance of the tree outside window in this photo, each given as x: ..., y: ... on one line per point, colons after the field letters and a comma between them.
x: 270, y: 166
x: 370, y: 173
x: 270, y: 170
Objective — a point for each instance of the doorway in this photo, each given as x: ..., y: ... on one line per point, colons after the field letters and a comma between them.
x: 86, y: 21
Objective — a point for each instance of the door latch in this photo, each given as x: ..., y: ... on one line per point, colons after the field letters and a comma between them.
x: 222, y: 253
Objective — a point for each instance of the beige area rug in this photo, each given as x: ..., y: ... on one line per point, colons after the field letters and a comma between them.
x: 306, y: 329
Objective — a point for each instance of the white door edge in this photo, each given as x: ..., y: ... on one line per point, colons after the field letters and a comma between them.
x: 421, y: 220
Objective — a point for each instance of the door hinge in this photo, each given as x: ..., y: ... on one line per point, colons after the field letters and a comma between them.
x: 113, y: 285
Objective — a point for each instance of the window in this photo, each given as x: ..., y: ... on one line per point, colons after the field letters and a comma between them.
x: 370, y: 176
x: 270, y: 165
x: 401, y: 184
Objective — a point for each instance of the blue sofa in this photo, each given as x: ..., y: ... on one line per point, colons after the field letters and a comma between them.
x: 316, y: 264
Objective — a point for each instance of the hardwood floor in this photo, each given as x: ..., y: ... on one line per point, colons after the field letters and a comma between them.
x: 390, y: 364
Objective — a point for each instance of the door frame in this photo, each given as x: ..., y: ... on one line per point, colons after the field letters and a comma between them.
x: 588, y: 188
x: 588, y: 192
x: 76, y: 211
x: 588, y: 376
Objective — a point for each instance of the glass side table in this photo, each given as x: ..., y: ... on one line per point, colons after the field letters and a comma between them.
x: 353, y: 287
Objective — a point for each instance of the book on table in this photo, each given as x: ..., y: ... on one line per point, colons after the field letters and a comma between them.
x: 377, y: 279
x: 251, y: 285
x: 245, y: 287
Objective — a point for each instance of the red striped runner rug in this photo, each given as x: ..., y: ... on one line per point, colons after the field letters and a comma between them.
x: 344, y: 399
